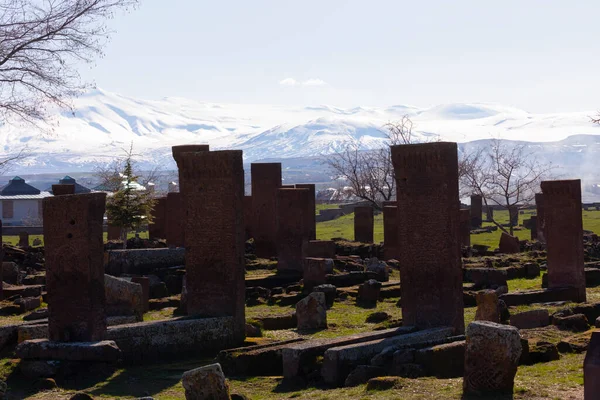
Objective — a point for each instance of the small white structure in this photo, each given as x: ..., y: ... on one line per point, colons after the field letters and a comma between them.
x: 21, y: 203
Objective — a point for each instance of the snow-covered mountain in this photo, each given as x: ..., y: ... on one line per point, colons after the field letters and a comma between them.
x: 104, y: 123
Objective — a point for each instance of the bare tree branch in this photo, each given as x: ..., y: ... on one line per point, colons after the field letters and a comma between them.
x: 40, y: 43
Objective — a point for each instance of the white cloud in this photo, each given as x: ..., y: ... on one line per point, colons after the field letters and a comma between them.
x: 314, y: 82
x: 288, y: 82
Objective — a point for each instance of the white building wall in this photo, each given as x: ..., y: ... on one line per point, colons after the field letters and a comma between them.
x: 22, y: 209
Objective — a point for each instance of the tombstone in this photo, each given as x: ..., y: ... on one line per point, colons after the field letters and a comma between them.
x: 476, y: 211
x: 488, y: 308
x: 175, y: 220
x: 311, y: 312
x: 213, y: 198
x: 509, y: 244
x: 465, y: 227
x: 312, y: 206
x: 158, y: 228
x: 266, y: 180
x: 492, y: 355
x: 74, y: 267
x: 489, y: 214
x: 177, y: 151
x: 318, y: 249
x: 248, y: 217
x: 24, y: 240
x: 513, y: 214
x: 293, y: 228
x: 113, y: 232
x: 428, y: 233
x: 1, y: 261
x: 539, y: 205
x: 206, y: 382
x: 591, y: 369
x: 144, y: 282
x: 533, y: 226
x: 314, y: 272
x: 63, y: 189
x: 390, y: 233
x: 363, y: 224
x: 564, y: 235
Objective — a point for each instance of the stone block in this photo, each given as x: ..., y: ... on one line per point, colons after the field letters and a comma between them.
x: 266, y: 180
x: 123, y: 297
x: 530, y: 319
x: 491, y: 358
x: 315, y: 270
x: 206, y: 382
x: 443, y: 361
x: 311, y: 312
x: 43, y: 349
x: 591, y: 368
x: 509, y: 244
x: 487, y: 306
x: 142, y: 261
x: 319, y: 249
x: 363, y: 224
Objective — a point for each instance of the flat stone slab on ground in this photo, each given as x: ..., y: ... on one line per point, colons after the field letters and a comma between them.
x: 531, y: 319
x: 538, y: 296
x: 142, y: 261
x: 297, y: 355
x: 339, y: 361
x: 43, y: 349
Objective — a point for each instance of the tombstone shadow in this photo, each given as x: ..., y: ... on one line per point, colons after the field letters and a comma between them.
x: 504, y: 396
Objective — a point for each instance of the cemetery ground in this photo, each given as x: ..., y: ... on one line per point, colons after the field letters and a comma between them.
x: 560, y: 378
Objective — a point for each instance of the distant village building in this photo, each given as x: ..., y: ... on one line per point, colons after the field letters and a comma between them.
x: 67, y: 180
x: 20, y: 202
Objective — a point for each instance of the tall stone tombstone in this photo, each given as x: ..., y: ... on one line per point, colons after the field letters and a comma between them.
x: 363, y: 224
x: 293, y: 228
x: 175, y: 220
x: 23, y: 240
x: 175, y: 224
x: 466, y: 221
x: 266, y: 180
x: 63, y: 189
x: 533, y: 222
x: 489, y: 214
x: 541, y: 223
x: 158, y: 228
x: 390, y: 233
x: 428, y: 234
x: 248, y: 216
x: 591, y: 369
x: 312, y: 206
x: 476, y: 211
x: 74, y: 267
x: 564, y: 235
x: 113, y: 232
x: 213, y: 199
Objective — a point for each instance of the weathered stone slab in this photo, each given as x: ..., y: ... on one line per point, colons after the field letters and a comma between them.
x: 563, y: 232
x: 158, y: 228
x: 297, y: 355
x: 159, y: 340
x: 538, y: 296
x: 206, y: 382
x: 465, y: 228
x: 491, y: 358
x: 74, y: 270
x: 444, y: 360
x: 390, y: 233
x: 315, y: 270
x: 363, y: 224
x: 260, y: 360
x: 318, y: 249
x: 339, y: 361
x: 175, y: 219
x: 476, y: 210
x: 487, y: 306
x: 428, y: 207
x: 248, y: 216
x: 214, y: 226
x: 142, y: 261
x: 293, y: 228
x: 591, y: 368
x: 509, y: 244
x: 266, y: 180
x: 23, y: 240
x: 530, y: 319
x: 311, y: 220
x: 21, y: 290
x: 311, y: 312
x: 123, y: 297
x: 43, y: 349
x: 144, y: 282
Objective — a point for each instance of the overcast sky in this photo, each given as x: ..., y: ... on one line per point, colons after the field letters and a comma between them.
x: 539, y: 55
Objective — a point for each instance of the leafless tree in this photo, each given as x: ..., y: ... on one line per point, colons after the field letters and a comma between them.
x: 41, y: 41
x: 400, y: 132
x: 504, y: 175
x: 596, y: 119
x: 7, y: 163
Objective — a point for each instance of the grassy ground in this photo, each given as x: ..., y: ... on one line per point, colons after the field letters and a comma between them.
x: 561, y: 379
